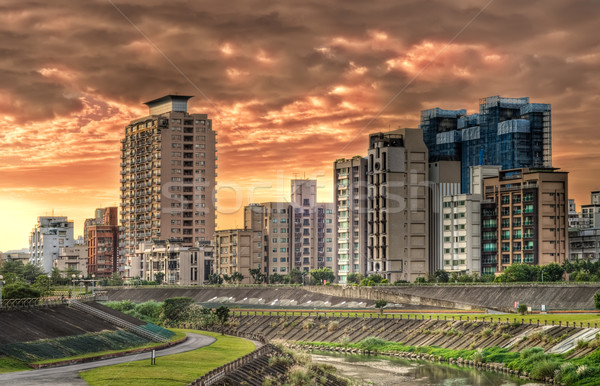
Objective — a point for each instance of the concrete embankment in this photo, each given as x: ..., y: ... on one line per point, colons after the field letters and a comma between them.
x: 496, y: 297
x: 54, y: 322
x: 515, y: 334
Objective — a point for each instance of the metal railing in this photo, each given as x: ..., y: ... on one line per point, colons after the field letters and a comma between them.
x: 51, y: 301
x: 217, y: 374
x: 138, y: 330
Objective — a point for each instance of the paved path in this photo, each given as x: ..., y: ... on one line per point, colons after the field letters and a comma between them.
x: 69, y: 375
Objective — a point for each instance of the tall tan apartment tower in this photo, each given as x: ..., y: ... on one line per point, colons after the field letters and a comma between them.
x: 168, y: 171
x: 398, y: 215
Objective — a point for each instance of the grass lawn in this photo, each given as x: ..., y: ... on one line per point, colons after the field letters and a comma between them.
x: 592, y: 317
x: 178, y: 369
x: 178, y: 335
x: 8, y: 365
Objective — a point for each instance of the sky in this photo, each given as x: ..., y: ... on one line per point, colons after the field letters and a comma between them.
x: 290, y: 86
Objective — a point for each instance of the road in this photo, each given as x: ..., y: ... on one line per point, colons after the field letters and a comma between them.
x: 69, y: 375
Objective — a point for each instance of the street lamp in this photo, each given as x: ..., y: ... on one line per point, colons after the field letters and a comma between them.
x: 72, y: 284
x: 1, y: 285
x: 93, y: 284
x: 49, y: 277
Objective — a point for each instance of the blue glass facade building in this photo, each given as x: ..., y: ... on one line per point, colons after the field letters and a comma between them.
x: 510, y: 132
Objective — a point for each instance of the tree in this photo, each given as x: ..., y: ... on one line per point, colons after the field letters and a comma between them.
x: 19, y: 290
x: 172, y: 308
x: 15, y: 267
x: 56, y: 277
x: 520, y: 273
x: 354, y: 278
x: 32, y: 271
x: 380, y: 304
x: 237, y: 277
x: 42, y: 284
x: 551, y: 272
x: 159, y: 277
x: 214, y: 278
x: 115, y: 279
x: 257, y: 276
x: 296, y: 276
x: 320, y: 275
x: 276, y: 278
x: 522, y: 309
x: 597, y: 300
x: 222, y: 314
x: 441, y: 276
x: 227, y: 278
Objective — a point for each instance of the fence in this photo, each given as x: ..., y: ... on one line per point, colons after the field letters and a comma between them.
x: 369, y: 314
x: 215, y: 375
x: 53, y: 301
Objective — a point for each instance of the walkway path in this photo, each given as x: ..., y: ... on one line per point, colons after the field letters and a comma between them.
x: 69, y: 375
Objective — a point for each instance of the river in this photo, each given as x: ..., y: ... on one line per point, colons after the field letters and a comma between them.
x: 384, y: 371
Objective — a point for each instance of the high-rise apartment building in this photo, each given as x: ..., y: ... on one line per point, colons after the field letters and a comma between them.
x: 398, y: 246
x: 275, y: 221
x: 462, y: 234
x: 444, y: 180
x: 49, y: 234
x: 591, y: 212
x: 102, y: 239
x: 510, y: 132
x: 524, y: 218
x: 350, y: 198
x: 168, y: 170
x: 314, y: 228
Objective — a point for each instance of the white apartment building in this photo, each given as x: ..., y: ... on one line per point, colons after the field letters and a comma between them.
x: 73, y: 258
x: 462, y: 233
x: 350, y: 197
x: 180, y: 265
x: 49, y: 234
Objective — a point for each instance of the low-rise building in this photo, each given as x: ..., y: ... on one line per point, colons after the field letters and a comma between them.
x: 584, y: 244
x: 72, y: 259
x: 179, y: 265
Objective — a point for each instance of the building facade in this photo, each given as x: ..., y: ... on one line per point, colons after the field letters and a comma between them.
x: 350, y: 198
x: 179, y: 265
x: 462, y: 233
x: 168, y: 171
x: 584, y: 244
x: 49, y: 234
x: 314, y: 228
x: 444, y: 180
x: 73, y: 259
x: 524, y: 218
x: 275, y: 221
x: 398, y: 245
x: 238, y: 250
x: 102, y: 239
x: 510, y: 132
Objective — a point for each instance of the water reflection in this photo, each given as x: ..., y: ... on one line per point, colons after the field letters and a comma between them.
x: 383, y: 371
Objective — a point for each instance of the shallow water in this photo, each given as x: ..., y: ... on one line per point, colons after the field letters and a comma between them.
x: 388, y: 371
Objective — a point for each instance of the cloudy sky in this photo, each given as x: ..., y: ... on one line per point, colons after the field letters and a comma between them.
x: 290, y: 87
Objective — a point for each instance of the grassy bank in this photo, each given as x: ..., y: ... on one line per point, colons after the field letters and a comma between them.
x: 592, y: 317
x: 539, y: 365
x: 178, y: 369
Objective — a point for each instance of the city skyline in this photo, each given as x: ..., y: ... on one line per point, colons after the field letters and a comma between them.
x: 290, y: 88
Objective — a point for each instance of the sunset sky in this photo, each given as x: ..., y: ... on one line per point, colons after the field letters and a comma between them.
x: 290, y: 86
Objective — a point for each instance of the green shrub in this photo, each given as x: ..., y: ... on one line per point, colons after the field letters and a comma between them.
x: 173, y: 308
x: 149, y: 311
x: 19, y: 290
x: 371, y: 343
x: 544, y: 368
x: 332, y: 326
